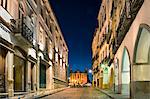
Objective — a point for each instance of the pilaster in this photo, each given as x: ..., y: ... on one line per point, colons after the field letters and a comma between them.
x: 9, y: 63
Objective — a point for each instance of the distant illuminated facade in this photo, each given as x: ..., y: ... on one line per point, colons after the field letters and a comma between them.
x: 78, y: 78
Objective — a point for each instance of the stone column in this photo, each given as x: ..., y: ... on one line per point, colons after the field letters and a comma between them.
x: 48, y: 77
x: 28, y: 76
x: 96, y: 80
x: 9, y: 63
x: 51, y: 76
x: 37, y: 72
x: 34, y: 77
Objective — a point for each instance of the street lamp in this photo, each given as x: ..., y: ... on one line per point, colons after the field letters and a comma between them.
x: 90, y: 71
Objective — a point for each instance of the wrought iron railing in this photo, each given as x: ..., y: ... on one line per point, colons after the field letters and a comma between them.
x: 95, y: 58
x: 24, y: 27
x: 108, y: 36
x: 101, y: 42
x: 125, y: 21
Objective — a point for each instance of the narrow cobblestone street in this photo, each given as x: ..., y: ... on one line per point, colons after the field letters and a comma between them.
x: 78, y: 93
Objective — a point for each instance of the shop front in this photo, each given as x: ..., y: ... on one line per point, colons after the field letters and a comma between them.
x: 19, y: 73
x: 19, y: 70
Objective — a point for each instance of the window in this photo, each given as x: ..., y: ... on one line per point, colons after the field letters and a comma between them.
x: 41, y: 37
x: 103, y: 54
x: 29, y: 11
x: 1, y: 1
x: 106, y: 52
x: 125, y: 61
x: 42, y: 9
x: 61, y: 63
x: 21, y: 10
x: 41, y: 12
x: 47, y: 21
x: 51, y: 30
x: 35, y: 1
x: 4, y: 4
x: 50, y: 49
x: 128, y: 8
x: 112, y: 9
x: 143, y: 45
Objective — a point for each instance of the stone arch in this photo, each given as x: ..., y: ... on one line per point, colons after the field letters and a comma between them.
x: 141, y: 63
x: 142, y: 45
x: 125, y: 72
x: 20, y: 52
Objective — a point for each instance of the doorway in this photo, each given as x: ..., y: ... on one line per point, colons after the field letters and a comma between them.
x: 2, y: 68
x: 42, y: 76
x: 32, y: 76
x: 19, y: 74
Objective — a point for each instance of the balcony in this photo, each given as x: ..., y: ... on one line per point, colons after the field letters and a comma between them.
x: 95, y: 58
x: 135, y: 7
x: 102, y: 40
x: 108, y: 36
x: 114, y: 46
x: 96, y: 70
x: 23, y: 29
x: 107, y: 60
x: 126, y: 21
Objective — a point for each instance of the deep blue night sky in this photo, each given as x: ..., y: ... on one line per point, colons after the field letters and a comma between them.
x: 77, y: 20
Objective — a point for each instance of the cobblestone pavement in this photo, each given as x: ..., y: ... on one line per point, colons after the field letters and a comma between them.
x: 78, y: 93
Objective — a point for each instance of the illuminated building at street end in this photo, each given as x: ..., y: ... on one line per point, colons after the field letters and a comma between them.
x: 78, y: 78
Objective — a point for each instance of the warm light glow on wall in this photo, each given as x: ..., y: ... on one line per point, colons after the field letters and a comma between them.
x: 63, y: 65
x: 50, y: 63
x: 61, y: 62
x: 51, y: 54
x: 60, y: 55
x: 41, y: 39
x: 41, y: 55
x: 56, y: 57
x: 32, y: 52
x: 56, y: 49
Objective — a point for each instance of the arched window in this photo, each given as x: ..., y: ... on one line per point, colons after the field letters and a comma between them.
x: 125, y: 61
x: 142, y: 48
x: 125, y: 86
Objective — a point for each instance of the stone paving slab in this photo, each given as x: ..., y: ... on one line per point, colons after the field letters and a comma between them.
x: 113, y: 95
x: 33, y: 95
